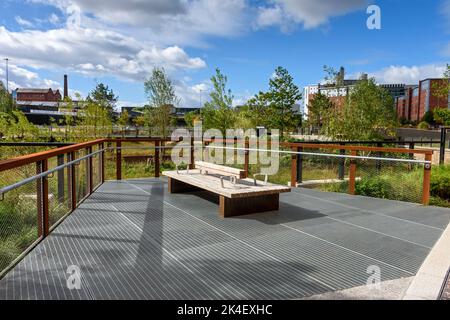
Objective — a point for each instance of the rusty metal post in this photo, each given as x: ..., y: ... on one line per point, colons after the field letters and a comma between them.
x: 293, y: 168
x: 246, y: 157
x: 157, y: 144
x: 89, y: 171
x: 72, y: 181
x: 60, y: 177
x: 426, y: 180
x: 102, y: 163
x: 192, y: 163
x: 118, y: 160
x: 341, y: 169
x: 42, y: 200
x: 299, y: 165
x: 352, y: 174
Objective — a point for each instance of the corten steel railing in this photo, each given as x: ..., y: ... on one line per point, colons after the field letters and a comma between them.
x: 63, y: 177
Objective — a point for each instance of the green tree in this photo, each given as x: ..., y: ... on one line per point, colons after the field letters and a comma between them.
x: 258, y: 110
x: 442, y: 116
x: 95, y: 121
x: 21, y: 128
x: 104, y: 97
x: 218, y: 113
x: 367, y: 114
x: 6, y: 100
x: 191, y: 117
x: 162, y: 101
x: 282, y: 96
x: 319, y: 110
x: 123, y: 120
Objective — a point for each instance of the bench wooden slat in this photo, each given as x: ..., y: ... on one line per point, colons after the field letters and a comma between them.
x: 219, y: 169
x: 244, y: 188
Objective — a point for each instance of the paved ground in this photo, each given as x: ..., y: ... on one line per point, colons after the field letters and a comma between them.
x: 132, y: 240
x: 445, y: 295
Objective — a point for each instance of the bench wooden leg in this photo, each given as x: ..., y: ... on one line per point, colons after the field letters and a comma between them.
x: 179, y: 186
x: 239, y: 206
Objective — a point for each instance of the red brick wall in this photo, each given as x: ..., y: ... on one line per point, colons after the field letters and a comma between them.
x: 36, y: 96
x: 422, y: 100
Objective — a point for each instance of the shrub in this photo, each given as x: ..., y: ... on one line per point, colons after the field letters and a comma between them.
x: 423, y: 125
x: 373, y: 186
x: 440, y: 182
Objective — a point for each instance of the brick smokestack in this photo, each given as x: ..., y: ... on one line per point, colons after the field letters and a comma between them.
x: 66, y: 87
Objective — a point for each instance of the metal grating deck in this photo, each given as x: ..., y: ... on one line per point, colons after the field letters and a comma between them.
x: 133, y: 240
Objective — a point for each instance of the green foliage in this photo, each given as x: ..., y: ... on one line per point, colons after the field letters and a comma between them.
x: 423, y: 125
x: 6, y: 100
x: 218, y: 113
x: 440, y: 182
x: 319, y: 110
x: 191, y: 117
x: 159, y: 89
x: 442, y: 89
x: 367, y: 114
x: 373, y: 186
x: 274, y: 109
x: 162, y: 99
x: 104, y: 97
x: 442, y: 116
x: 95, y: 121
x: 282, y: 96
x: 428, y: 117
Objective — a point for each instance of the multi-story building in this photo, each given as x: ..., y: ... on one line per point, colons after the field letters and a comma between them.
x: 338, y: 93
x: 422, y: 98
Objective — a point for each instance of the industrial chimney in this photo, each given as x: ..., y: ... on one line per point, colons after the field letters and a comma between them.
x: 66, y: 88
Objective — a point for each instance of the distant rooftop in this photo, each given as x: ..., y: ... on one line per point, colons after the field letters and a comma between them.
x: 33, y: 90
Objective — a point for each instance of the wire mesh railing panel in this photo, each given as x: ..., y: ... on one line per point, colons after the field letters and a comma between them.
x: 138, y: 159
x: 96, y: 167
x: 58, y: 190
x: 81, y: 176
x: 18, y: 221
x: 9, y: 152
x: 12, y: 176
x: 322, y: 169
x: 110, y: 161
x: 394, y: 180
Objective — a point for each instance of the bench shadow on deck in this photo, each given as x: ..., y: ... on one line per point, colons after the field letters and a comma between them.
x: 133, y: 240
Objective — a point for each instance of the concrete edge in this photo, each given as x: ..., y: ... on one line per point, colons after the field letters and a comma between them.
x: 428, y: 281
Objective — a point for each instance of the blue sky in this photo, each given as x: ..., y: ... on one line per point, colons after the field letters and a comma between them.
x: 118, y: 42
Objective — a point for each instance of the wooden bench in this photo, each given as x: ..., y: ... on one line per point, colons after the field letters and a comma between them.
x: 237, y: 195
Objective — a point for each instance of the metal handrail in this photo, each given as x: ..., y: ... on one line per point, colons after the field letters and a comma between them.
x: 78, y: 160
x: 325, y: 154
x: 47, y: 173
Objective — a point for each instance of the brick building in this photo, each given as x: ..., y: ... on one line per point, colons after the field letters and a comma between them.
x: 31, y: 94
x: 420, y: 99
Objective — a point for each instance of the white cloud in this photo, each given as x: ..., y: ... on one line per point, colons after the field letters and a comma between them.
x: 164, y: 21
x: 192, y: 95
x: 53, y: 19
x: 408, y: 74
x: 20, y: 77
x: 310, y: 13
x: 92, y: 52
x: 23, y: 22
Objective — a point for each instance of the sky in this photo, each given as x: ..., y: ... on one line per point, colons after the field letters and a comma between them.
x: 119, y: 42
